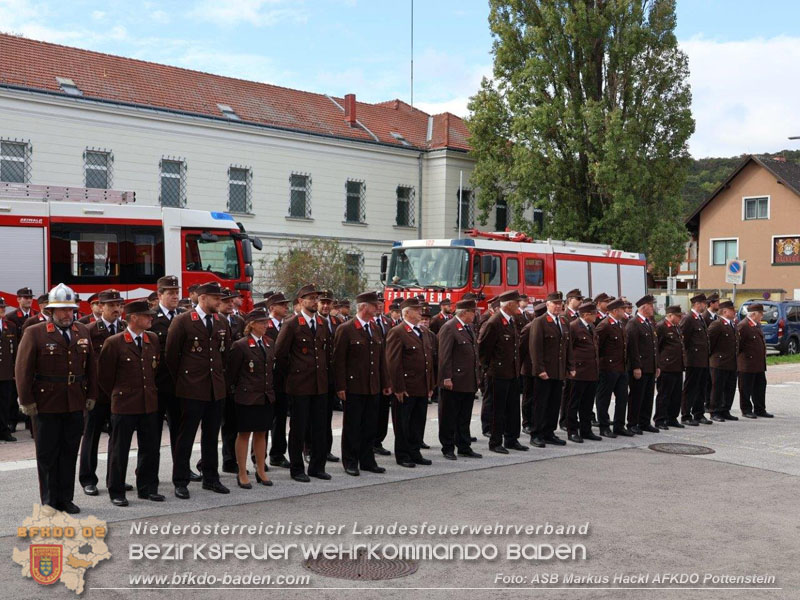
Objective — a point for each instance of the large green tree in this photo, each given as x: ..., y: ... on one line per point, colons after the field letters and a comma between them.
x: 587, y: 117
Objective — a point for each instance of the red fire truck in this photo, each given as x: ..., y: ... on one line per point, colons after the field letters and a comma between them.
x: 94, y: 239
x: 488, y: 264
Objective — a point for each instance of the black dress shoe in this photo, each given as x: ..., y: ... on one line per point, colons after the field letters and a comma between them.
x: 69, y: 507
x: 91, y: 490
x: 499, y: 450
x: 119, y: 501
x: 554, y: 439
x: 422, y: 461
x: 301, y: 477
x: 381, y: 450
x: 704, y: 421
x: 321, y: 475
x: 7, y: 437
x: 182, y: 492
x: 265, y: 481
x: 718, y: 418
x: 406, y: 463
x: 473, y: 439
x: 515, y: 445
x: 128, y: 487
x: 449, y: 456
x: 470, y: 453
x: 662, y: 426
x: 675, y: 423
x: 486, y: 434
x: 729, y: 417
x: 332, y: 458
x: 374, y: 469
x: 230, y: 468
x: 280, y: 462
x: 424, y: 446
x: 216, y: 486
x: 195, y: 476
x: 635, y: 429
x: 352, y: 471
x: 764, y: 415
x: 527, y: 429
x: 537, y: 442
x: 749, y: 415
x: 690, y: 422
x: 575, y: 437
x: 623, y: 432
x: 595, y: 422
x: 606, y: 432
x: 649, y: 428
x: 589, y: 435
x: 562, y: 426
x: 152, y: 497
x: 244, y: 486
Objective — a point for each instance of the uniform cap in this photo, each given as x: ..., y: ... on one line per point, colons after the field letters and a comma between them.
x: 587, y: 307
x: 276, y: 298
x: 93, y: 298
x: 616, y: 303
x: 111, y: 295
x: 646, y: 299
x: 258, y: 314
x: 466, y: 305
x: 755, y: 308
x: 168, y: 282
x: 369, y: 297
x: 410, y: 303
x: 601, y: 297
x: 713, y: 297
x: 576, y: 293
x: 726, y: 304
x: 25, y: 292
x: 139, y: 307
x: 555, y: 297
x: 698, y: 298
x: 539, y: 309
x: 229, y: 294
x: 326, y: 295
x: 43, y: 299
x: 210, y: 288
x: 675, y: 309
x: 307, y: 290
x: 508, y: 296
x: 153, y: 296
x: 444, y: 301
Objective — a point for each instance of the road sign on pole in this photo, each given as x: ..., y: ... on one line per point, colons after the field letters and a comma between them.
x: 734, y: 271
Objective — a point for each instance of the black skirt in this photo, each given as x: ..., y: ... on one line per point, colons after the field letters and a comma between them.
x: 253, y: 417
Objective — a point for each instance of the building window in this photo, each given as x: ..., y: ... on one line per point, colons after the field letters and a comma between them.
x: 466, y: 213
x: 300, y: 195
x: 355, y: 210
x: 354, y: 265
x: 239, y: 189
x: 501, y: 215
x: 97, y: 168
x: 15, y: 161
x: 173, y: 182
x: 723, y: 251
x: 405, y: 206
x: 756, y: 208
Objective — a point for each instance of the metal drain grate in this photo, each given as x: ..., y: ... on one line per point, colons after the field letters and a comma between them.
x: 681, y: 449
x: 362, y: 568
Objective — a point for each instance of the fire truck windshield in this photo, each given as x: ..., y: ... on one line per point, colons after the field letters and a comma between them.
x: 429, y: 267
x: 215, y: 254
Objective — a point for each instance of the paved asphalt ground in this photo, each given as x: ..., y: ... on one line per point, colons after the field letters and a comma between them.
x: 734, y: 512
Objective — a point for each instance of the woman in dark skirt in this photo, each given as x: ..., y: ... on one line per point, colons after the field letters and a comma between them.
x: 250, y: 366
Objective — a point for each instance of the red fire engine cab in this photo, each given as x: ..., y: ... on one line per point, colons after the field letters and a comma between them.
x: 488, y: 264
x: 95, y: 239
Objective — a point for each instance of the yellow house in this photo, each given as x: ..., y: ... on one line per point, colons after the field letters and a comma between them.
x: 754, y: 215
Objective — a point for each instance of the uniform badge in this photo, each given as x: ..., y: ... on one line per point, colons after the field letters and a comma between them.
x: 196, y: 346
x: 155, y: 362
x: 50, y: 348
x: 46, y: 562
x: 195, y: 316
x: 250, y: 364
x: 83, y: 342
x: 304, y: 350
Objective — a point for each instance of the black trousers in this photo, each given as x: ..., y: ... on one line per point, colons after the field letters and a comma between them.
x: 566, y: 398
x: 330, y: 403
x: 752, y: 392
x: 668, y: 400
x: 308, y: 411
x: 228, y: 432
x: 612, y: 382
x: 280, y: 411
x: 694, y: 386
x: 360, y: 422
x: 455, y: 415
x: 528, y: 384
x: 169, y: 409
x: 486, y: 406
x: 505, y: 419
x: 8, y: 405
x: 207, y: 415
x: 58, y: 436
x: 93, y: 428
x: 723, y: 390
x: 148, y: 436
x: 408, y: 419
x: 581, y: 403
x: 640, y: 398
x: 546, y: 405
x: 384, y: 409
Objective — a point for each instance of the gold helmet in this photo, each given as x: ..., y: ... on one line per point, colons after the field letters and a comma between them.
x: 62, y: 296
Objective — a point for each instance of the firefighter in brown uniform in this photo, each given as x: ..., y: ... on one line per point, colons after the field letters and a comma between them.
x: 642, y: 343
x: 56, y: 375
x: 9, y: 341
x: 197, y: 343
x: 670, y: 364
x: 573, y: 300
x: 24, y: 310
x: 228, y: 428
x: 459, y: 372
x: 409, y: 361
x: 526, y: 370
x: 498, y: 348
x: 752, y: 364
x: 127, y: 374
x: 302, y: 354
x: 95, y: 310
x: 551, y: 362
x: 492, y: 304
x: 100, y: 330
x: 445, y: 314
x: 384, y: 323
x: 278, y: 307
x: 613, y: 375
x: 695, y: 347
x: 710, y: 314
x: 37, y: 317
x: 360, y: 378
x: 586, y: 372
x: 723, y: 344
x: 324, y: 305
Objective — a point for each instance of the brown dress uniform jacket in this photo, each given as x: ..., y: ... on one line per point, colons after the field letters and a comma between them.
x: 723, y: 341
x: 525, y: 366
x: 409, y: 361
x: 236, y: 324
x: 550, y: 347
x: 88, y: 319
x: 33, y: 320
x: 570, y: 316
x: 160, y: 327
x: 359, y: 361
x: 278, y: 376
x: 670, y: 347
x: 18, y: 318
x: 303, y: 356
x: 9, y: 344
x: 752, y: 357
x: 611, y: 345
x: 195, y: 360
x: 128, y: 375
x: 458, y: 356
x: 57, y: 377
x: 585, y: 356
x: 642, y: 342
x: 710, y: 317
x: 99, y: 333
x: 438, y: 321
x: 498, y: 347
x: 695, y: 340
x: 250, y: 371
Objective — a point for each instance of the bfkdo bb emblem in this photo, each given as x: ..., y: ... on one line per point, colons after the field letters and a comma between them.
x: 46, y: 562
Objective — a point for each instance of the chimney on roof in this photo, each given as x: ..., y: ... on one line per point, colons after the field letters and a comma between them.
x: 779, y: 159
x: 350, y: 109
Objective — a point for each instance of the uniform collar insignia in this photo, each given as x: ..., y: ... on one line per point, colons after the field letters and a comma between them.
x: 195, y: 316
x: 128, y: 337
x: 50, y: 328
x: 459, y: 326
x: 504, y: 321
x: 408, y: 329
x: 357, y: 324
x: 74, y: 327
x: 319, y: 320
x: 270, y: 324
x: 301, y: 320
x: 251, y: 342
x: 549, y: 319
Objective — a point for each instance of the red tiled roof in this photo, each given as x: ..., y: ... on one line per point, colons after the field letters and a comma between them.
x: 35, y: 65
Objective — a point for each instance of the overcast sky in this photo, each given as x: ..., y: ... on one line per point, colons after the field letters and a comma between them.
x: 744, y: 56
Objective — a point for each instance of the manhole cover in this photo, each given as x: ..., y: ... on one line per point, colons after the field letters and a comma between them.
x: 362, y: 568
x: 681, y: 449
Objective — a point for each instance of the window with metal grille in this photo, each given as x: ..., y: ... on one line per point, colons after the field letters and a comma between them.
x: 405, y: 206
x: 355, y: 265
x: 355, y: 210
x: 300, y: 195
x: 173, y: 182
x: 97, y: 168
x: 15, y: 161
x: 466, y: 214
x: 501, y: 215
x: 239, y: 189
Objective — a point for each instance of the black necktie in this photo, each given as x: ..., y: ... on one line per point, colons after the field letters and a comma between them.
x: 313, y: 324
x: 469, y: 332
x: 418, y: 331
x: 112, y: 329
x: 209, y: 325
x: 369, y: 330
x: 380, y: 324
x: 171, y: 314
x: 261, y: 347
x: 139, y: 342
x: 65, y: 333
x: 230, y: 320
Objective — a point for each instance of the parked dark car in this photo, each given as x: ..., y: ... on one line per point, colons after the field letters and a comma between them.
x: 780, y: 323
